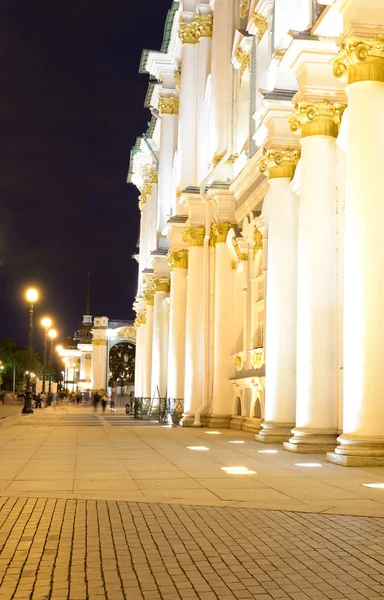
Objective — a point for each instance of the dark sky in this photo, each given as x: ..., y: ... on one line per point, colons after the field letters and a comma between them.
x: 71, y: 106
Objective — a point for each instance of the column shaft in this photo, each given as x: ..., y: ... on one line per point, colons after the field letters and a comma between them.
x: 167, y: 151
x: 187, y: 117
x: 147, y: 367
x: 160, y: 344
x: 177, y: 328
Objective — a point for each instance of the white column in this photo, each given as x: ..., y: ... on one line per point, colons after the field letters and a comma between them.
x: 187, y: 108
x: 362, y: 441
x: 160, y: 337
x: 169, y: 109
x: 203, y: 158
x: 82, y: 365
x: 178, y: 262
x: 223, y: 340
x: 100, y: 353
x: 281, y: 213
x: 193, y: 390
x: 140, y: 341
x: 316, y: 404
x: 147, y: 365
x: 142, y: 356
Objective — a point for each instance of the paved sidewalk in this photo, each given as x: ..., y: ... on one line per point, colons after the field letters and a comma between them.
x: 95, y: 550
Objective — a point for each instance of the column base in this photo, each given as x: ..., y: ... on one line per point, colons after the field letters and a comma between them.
x: 273, y: 432
x: 251, y: 424
x: 358, y: 451
x: 219, y: 421
x: 187, y: 420
x: 311, y: 441
x: 237, y: 422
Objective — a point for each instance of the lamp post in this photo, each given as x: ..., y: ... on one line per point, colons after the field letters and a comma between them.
x: 46, y: 323
x: 52, y: 335
x: 31, y: 297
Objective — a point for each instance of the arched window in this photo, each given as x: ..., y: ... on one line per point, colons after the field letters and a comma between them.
x: 238, y: 407
x: 257, y: 409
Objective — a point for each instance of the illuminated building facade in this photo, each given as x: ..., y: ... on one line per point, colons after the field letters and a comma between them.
x: 260, y: 288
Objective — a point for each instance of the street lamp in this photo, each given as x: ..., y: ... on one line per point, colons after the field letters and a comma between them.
x: 31, y: 296
x: 52, y: 335
x: 46, y: 323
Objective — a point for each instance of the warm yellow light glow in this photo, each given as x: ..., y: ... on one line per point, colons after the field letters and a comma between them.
x: 65, y: 361
x: 308, y: 464
x: 213, y: 432
x: 379, y: 486
x: 52, y: 334
x: 59, y: 349
x: 236, y: 442
x: 238, y: 471
x: 32, y: 295
x: 197, y: 448
x: 267, y: 451
x: 46, y: 322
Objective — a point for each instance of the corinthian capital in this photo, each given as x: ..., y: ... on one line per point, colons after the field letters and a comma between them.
x: 279, y: 163
x: 178, y: 260
x: 188, y: 33
x: 168, y: 105
x: 317, y: 118
x: 219, y: 232
x: 362, y: 58
x: 194, y: 236
x: 160, y: 284
x: 262, y: 25
x: 204, y: 26
x: 140, y: 320
x: 149, y: 298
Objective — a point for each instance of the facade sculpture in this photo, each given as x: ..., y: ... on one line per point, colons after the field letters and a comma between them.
x: 260, y: 287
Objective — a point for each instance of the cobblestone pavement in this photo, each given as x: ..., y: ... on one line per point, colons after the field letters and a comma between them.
x: 94, y: 550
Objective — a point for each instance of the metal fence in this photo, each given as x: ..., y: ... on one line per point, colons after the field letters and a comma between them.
x: 163, y: 410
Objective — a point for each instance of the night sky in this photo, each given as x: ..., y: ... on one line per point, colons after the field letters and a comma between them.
x: 71, y: 107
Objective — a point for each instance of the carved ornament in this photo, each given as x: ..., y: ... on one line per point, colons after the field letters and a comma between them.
x: 241, y: 255
x: 239, y: 363
x: 145, y: 191
x: 126, y: 332
x: 258, y: 241
x: 177, y: 75
x: 219, y: 232
x: 244, y: 8
x: 140, y: 320
x: 99, y: 342
x: 188, y: 33
x: 194, y: 236
x: 317, y: 118
x: 168, y: 105
x: 362, y: 58
x: 261, y: 23
x: 160, y: 284
x: 279, y: 163
x: 153, y: 178
x: 257, y: 358
x: 243, y: 60
x: 149, y: 298
x: 178, y: 260
x: 204, y: 26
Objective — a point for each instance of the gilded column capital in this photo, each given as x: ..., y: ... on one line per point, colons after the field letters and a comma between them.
x: 258, y: 240
x: 149, y: 298
x: 261, y: 23
x: 243, y: 61
x: 146, y: 190
x: 188, y: 33
x: 362, y: 58
x: 99, y: 342
x: 153, y: 177
x: 168, y: 105
x: 204, y: 26
x: 140, y: 320
x: 240, y: 255
x: 194, y: 236
x: 317, y: 118
x: 178, y: 260
x: 279, y: 163
x: 219, y: 232
x: 177, y: 76
x: 160, y: 284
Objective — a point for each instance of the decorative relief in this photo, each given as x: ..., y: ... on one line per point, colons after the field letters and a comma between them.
x: 177, y: 75
x: 262, y: 25
x: 257, y: 358
x: 145, y: 191
x: 241, y: 255
x: 243, y: 61
x: 160, y: 284
x: 362, y: 58
x: 317, y: 118
x: 188, y: 33
x: 279, y: 163
x: 204, y: 26
x: 239, y: 363
x: 168, y: 105
x: 234, y: 265
x: 258, y: 241
x: 140, y: 320
x: 244, y: 8
x: 149, y: 298
x: 178, y: 260
x: 126, y: 332
x: 219, y: 232
x: 99, y: 342
x: 194, y: 236
x: 153, y: 178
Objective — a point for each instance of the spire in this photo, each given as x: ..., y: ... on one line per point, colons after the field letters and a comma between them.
x: 87, y: 318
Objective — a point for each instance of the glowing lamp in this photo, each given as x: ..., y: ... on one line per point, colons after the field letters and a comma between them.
x: 46, y: 322
x: 52, y: 334
x: 32, y: 295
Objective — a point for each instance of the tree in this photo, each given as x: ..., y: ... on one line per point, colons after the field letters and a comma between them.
x: 16, y: 357
x: 122, y: 364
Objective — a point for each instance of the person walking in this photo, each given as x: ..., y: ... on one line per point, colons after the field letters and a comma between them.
x: 96, y: 400
x: 104, y: 400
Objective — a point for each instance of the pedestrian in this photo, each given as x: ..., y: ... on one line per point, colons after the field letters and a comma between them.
x: 96, y: 400
x: 104, y: 400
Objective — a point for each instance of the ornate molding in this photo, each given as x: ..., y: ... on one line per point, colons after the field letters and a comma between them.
x: 194, y: 236
x: 362, y: 58
x: 279, y: 163
x: 161, y: 284
x: 204, y: 26
x: 178, y: 260
x: 149, y: 298
x: 140, y: 320
x: 243, y: 61
x: 177, y: 75
x: 258, y: 241
x: 188, y: 33
x: 244, y: 8
x: 317, y: 118
x: 168, y: 105
x: 153, y: 177
x: 146, y: 190
x: 257, y: 358
x: 240, y: 255
x: 99, y: 342
x: 219, y: 232
x: 261, y: 23
x: 127, y: 332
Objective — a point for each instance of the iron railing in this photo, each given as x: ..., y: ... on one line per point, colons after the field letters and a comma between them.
x: 164, y: 410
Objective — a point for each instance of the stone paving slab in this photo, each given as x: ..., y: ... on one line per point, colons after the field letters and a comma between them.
x: 60, y: 549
